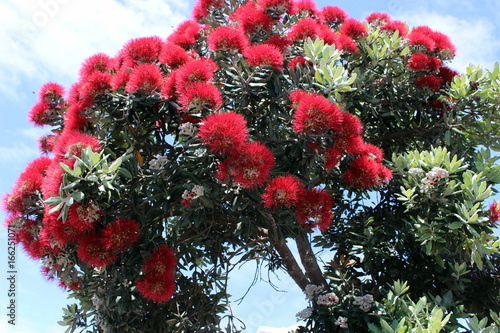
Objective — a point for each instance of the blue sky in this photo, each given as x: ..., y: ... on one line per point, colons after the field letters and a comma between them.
x: 46, y: 40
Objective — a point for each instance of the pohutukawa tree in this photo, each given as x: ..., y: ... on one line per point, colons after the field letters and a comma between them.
x: 255, y: 125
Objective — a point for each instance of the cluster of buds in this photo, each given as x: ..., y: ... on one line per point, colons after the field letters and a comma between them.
x: 365, y: 303
x: 189, y: 195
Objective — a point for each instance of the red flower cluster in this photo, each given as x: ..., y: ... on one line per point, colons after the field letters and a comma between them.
x: 50, y: 105
x: 283, y: 191
x: 494, y: 213
x: 315, y: 114
x: 422, y: 62
x: 315, y: 209
x: 101, y: 248
x: 158, y: 281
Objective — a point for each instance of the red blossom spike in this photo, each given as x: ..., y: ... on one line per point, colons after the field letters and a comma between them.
x: 314, y: 209
x: 249, y: 166
x: 92, y: 250
x: 121, y: 234
x: 353, y: 28
x: 283, y: 191
x: 173, y: 55
x: 158, y: 282
x: 99, y: 62
x: 186, y: 34
x: 378, y: 18
x: 227, y: 38
x: 315, y: 114
x: 84, y: 218
x: 398, y: 26
x: 223, y: 133
x: 365, y: 172
x: 203, y: 8
x: 146, y: 79
x: 305, y: 28
x: 252, y: 18
x: 305, y: 8
x: 423, y: 62
x: 264, y: 55
x: 143, y: 50
x: 75, y: 119
x: 201, y: 70
x: 200, y: 96
x: 333, y: 15
x: 429, y: 81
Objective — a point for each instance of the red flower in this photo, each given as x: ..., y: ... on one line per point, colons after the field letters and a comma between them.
x: 351, y: 126
x: 282, y: 191
x: 444, y: 44
x: 92, y: 251
x: 223, y: 133
x: 293, y: 63
x: 200, y: 96
x: 186, y: 34
x: 84, y: 218
x: 145, y: 78
x: 347, y: 44
x: 72, y: 142
x: 333, y: 15
x: 423, y: 62
x: 281, y: 42
x: 333, y: 157
x: 353, y: 28
x: 168, y: 90
x: 156, y: 290
x: 314, y: 209
x: 305, y: 28
x: 378, y: 18
x: 158, y: 283
x: 446, y: 74
x: 121, y: 234
x: 201, y: 70
x: 52, y: 182
x: 249, y: 166
x: 173, y: 55
x: 75, y: 119
x: 429, y: 81
x: 315, y: 114
x: 305, y: 8
x: 252, y: 18
x: 226, y: 38
x: 99, y: 62
x: 28, y: 185
x: 365, y: 172
x: 41, y: 115
x: 202, y: 8
x: 418, y: 37
x: 398, y: 26
x: 98, y: 83
x: 46, y: 143
x: 143, y: 50
x: 264, y: 55
x: 52, y: 94
x: 494, y: 213
x: 120, y: 79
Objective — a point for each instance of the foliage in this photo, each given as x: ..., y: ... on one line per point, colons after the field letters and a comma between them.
x: 254, y: 125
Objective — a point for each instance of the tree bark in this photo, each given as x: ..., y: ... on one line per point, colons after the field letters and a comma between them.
x: 309, y: 261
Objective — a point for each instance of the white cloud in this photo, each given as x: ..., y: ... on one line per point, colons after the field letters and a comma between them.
x: 48, y: 39
x: 477, y: 41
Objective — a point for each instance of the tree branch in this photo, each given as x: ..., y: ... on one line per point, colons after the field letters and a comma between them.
x: 309, y: 261
x: 292, y: 267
